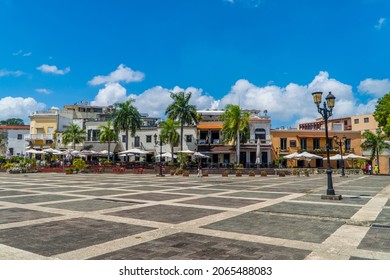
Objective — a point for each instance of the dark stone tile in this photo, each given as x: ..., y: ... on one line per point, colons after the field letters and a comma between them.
x: 222, y: 202
x: 90, y: 205
x: 313, y: 209
x: 196, y: 191
x: 358, y: 200
x: 188, y: 246
x: 153, y: 196
x: 165, y: 213
x: 37, y: 198
x: 62, y: 236
x: 59, y: 189
x: 377, y: 239
x: 100, y: 192
x: 12, y: 215
x: 13, y: 193
x: 286, y: 227
x: 251, y: 194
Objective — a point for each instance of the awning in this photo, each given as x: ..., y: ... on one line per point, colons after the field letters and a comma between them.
x: 216, y: 149
x: 210, y: 125
x: 98, y: 147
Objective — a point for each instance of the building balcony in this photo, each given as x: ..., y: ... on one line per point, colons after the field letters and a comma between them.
x: 39, y: 136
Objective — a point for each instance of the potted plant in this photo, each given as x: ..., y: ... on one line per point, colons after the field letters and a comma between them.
x: 205, y: 174
x: 172, y: 172
x: 251, y: 173
x: 68, y: 170
x: 295, y: 172
x: 263, y: 173
x: 186, y: 173
x: 307, y: 172
x: 238, y: 173
x: 282, y: 174
x: 226, y: 173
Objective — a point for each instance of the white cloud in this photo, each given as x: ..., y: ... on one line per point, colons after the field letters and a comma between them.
x: 7, y: 73
x: 375, y: 87
x: 121, y: 74
x: 27, y: 54
x: 247, y: 3
x: 110, y: 94
x: 52, y: 69
x: 18, y: 107
x: 43, y: 90
x: 380, y: 23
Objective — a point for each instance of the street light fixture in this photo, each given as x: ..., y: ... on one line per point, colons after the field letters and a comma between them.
x: 340, y: 142
x: 161, y: 143
x: 326, y: 112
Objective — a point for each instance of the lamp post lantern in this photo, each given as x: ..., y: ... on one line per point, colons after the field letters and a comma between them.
x: 161, y: 143
x: 340, y: 142
x: 326, y: 112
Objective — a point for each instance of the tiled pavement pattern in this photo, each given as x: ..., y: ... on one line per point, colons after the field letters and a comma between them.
x: 127, y: 216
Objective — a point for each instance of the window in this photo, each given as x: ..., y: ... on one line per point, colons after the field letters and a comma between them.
x: 304, y: 144
x: 366, y: 120
x: 345, y: 122
x: 188, y: 138
x: 347, y: 144
x: 148, y: 138
x: 293, y: 143
x: 124, y: 139
x: 50, y: 129
x: 337, y: 127
x: 316, y: 143
x: 20, y: 136
x: 260, y: 133
x: 356, y: 121
x: 283, y: 143
x: 93, y: 135
x: 136, y: 141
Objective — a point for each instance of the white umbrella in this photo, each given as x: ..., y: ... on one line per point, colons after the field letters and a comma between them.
x: 134, y: 151
x: 104, y: 153
x: 353, y: 156
x: 50, y: 150
x: 167, y: 154
x: 307, y: 156
x: 32, y: 151
x: 335, y: 157
x: 291, y: 156
x: 199, y: 155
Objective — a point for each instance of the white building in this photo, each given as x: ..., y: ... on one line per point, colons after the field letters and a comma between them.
x: 14, y: 139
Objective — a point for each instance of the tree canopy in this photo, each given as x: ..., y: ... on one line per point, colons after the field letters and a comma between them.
x: 382, y: 113
x: 73, y: 134
x: 375, y: 143
x: 12, y: 121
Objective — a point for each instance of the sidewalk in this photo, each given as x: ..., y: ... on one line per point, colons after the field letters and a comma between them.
x: 128, y: 216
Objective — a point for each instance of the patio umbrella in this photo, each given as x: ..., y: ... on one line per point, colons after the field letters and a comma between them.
x: 199, y: 155
x: 258, y: 152
x: 186, y: 152
x: 167, y: 154
x: 134, y: 151
x: 335, y: 157
x: 50, y: 151
x: 291, y: 156
x: 307, y: 156
x: 353, y: 156
x: 32, y: 151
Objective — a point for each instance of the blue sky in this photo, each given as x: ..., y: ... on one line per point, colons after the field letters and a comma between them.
x: 261, y: 54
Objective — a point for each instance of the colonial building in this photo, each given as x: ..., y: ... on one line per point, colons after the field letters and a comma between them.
x: 13, y: 139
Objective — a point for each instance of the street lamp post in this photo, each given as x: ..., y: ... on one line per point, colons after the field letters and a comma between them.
x: 326, y: 112
x: 161, y: 143
x: 340, y: 142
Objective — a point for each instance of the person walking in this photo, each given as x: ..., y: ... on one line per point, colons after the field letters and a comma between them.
x: 370, y: 168
x: 376, y: 169
x: 200, y: 171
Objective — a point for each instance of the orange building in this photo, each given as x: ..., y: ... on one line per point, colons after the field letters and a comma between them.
x: 286, y: 142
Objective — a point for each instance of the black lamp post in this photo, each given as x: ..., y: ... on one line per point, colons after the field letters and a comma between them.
x: 161, y: 143
x: 326, y: 112
x: 340, y: 142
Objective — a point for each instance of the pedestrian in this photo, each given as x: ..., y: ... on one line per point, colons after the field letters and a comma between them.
x: 200, y: 171
x: 376, y: 169
x: 367, y: 169
x: 370, y: 169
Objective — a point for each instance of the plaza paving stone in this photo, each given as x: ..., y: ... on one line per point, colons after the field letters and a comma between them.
x: 308, y: 209
x: 12, y: 215
x: 89, y: 205
x: 222, y: 202
x: 129, y: 216
x: 153, y: 196
x: 287, y: 227
x: 61, y: 236
x: 165, y: 213
x: 187, y: 246
x: 36, y: 198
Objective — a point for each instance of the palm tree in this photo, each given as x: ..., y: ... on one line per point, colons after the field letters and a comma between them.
x: 235, y: 126
x: 375, y: 143
x: 126, y: 117
x: 181, y: 111
x: 73, y: 134
x: 107, y: 134
x: 169, y: 133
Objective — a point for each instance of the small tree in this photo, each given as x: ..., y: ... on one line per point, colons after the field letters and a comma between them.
x: 375, y: 143
x: 73, y: 134
x: 107, y: 135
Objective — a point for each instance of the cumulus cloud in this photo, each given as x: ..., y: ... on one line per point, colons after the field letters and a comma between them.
x: 380, y: 23
x: 375, y: 87
x: 18, y: 107
x: 287, y: 104
x: 121, y: 74
x: 43, y: 90
x: 7, y: 73
x: 52, y: 69
x: 247, y: 3
x: 110, y: 94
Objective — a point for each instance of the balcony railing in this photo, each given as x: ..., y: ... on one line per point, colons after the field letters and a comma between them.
x: 39, y: 136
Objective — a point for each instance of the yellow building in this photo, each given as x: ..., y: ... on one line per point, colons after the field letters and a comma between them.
x: 43, y: 125
x: 286, y: 142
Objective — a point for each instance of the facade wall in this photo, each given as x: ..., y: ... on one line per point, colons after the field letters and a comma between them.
x: 364, y: 123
